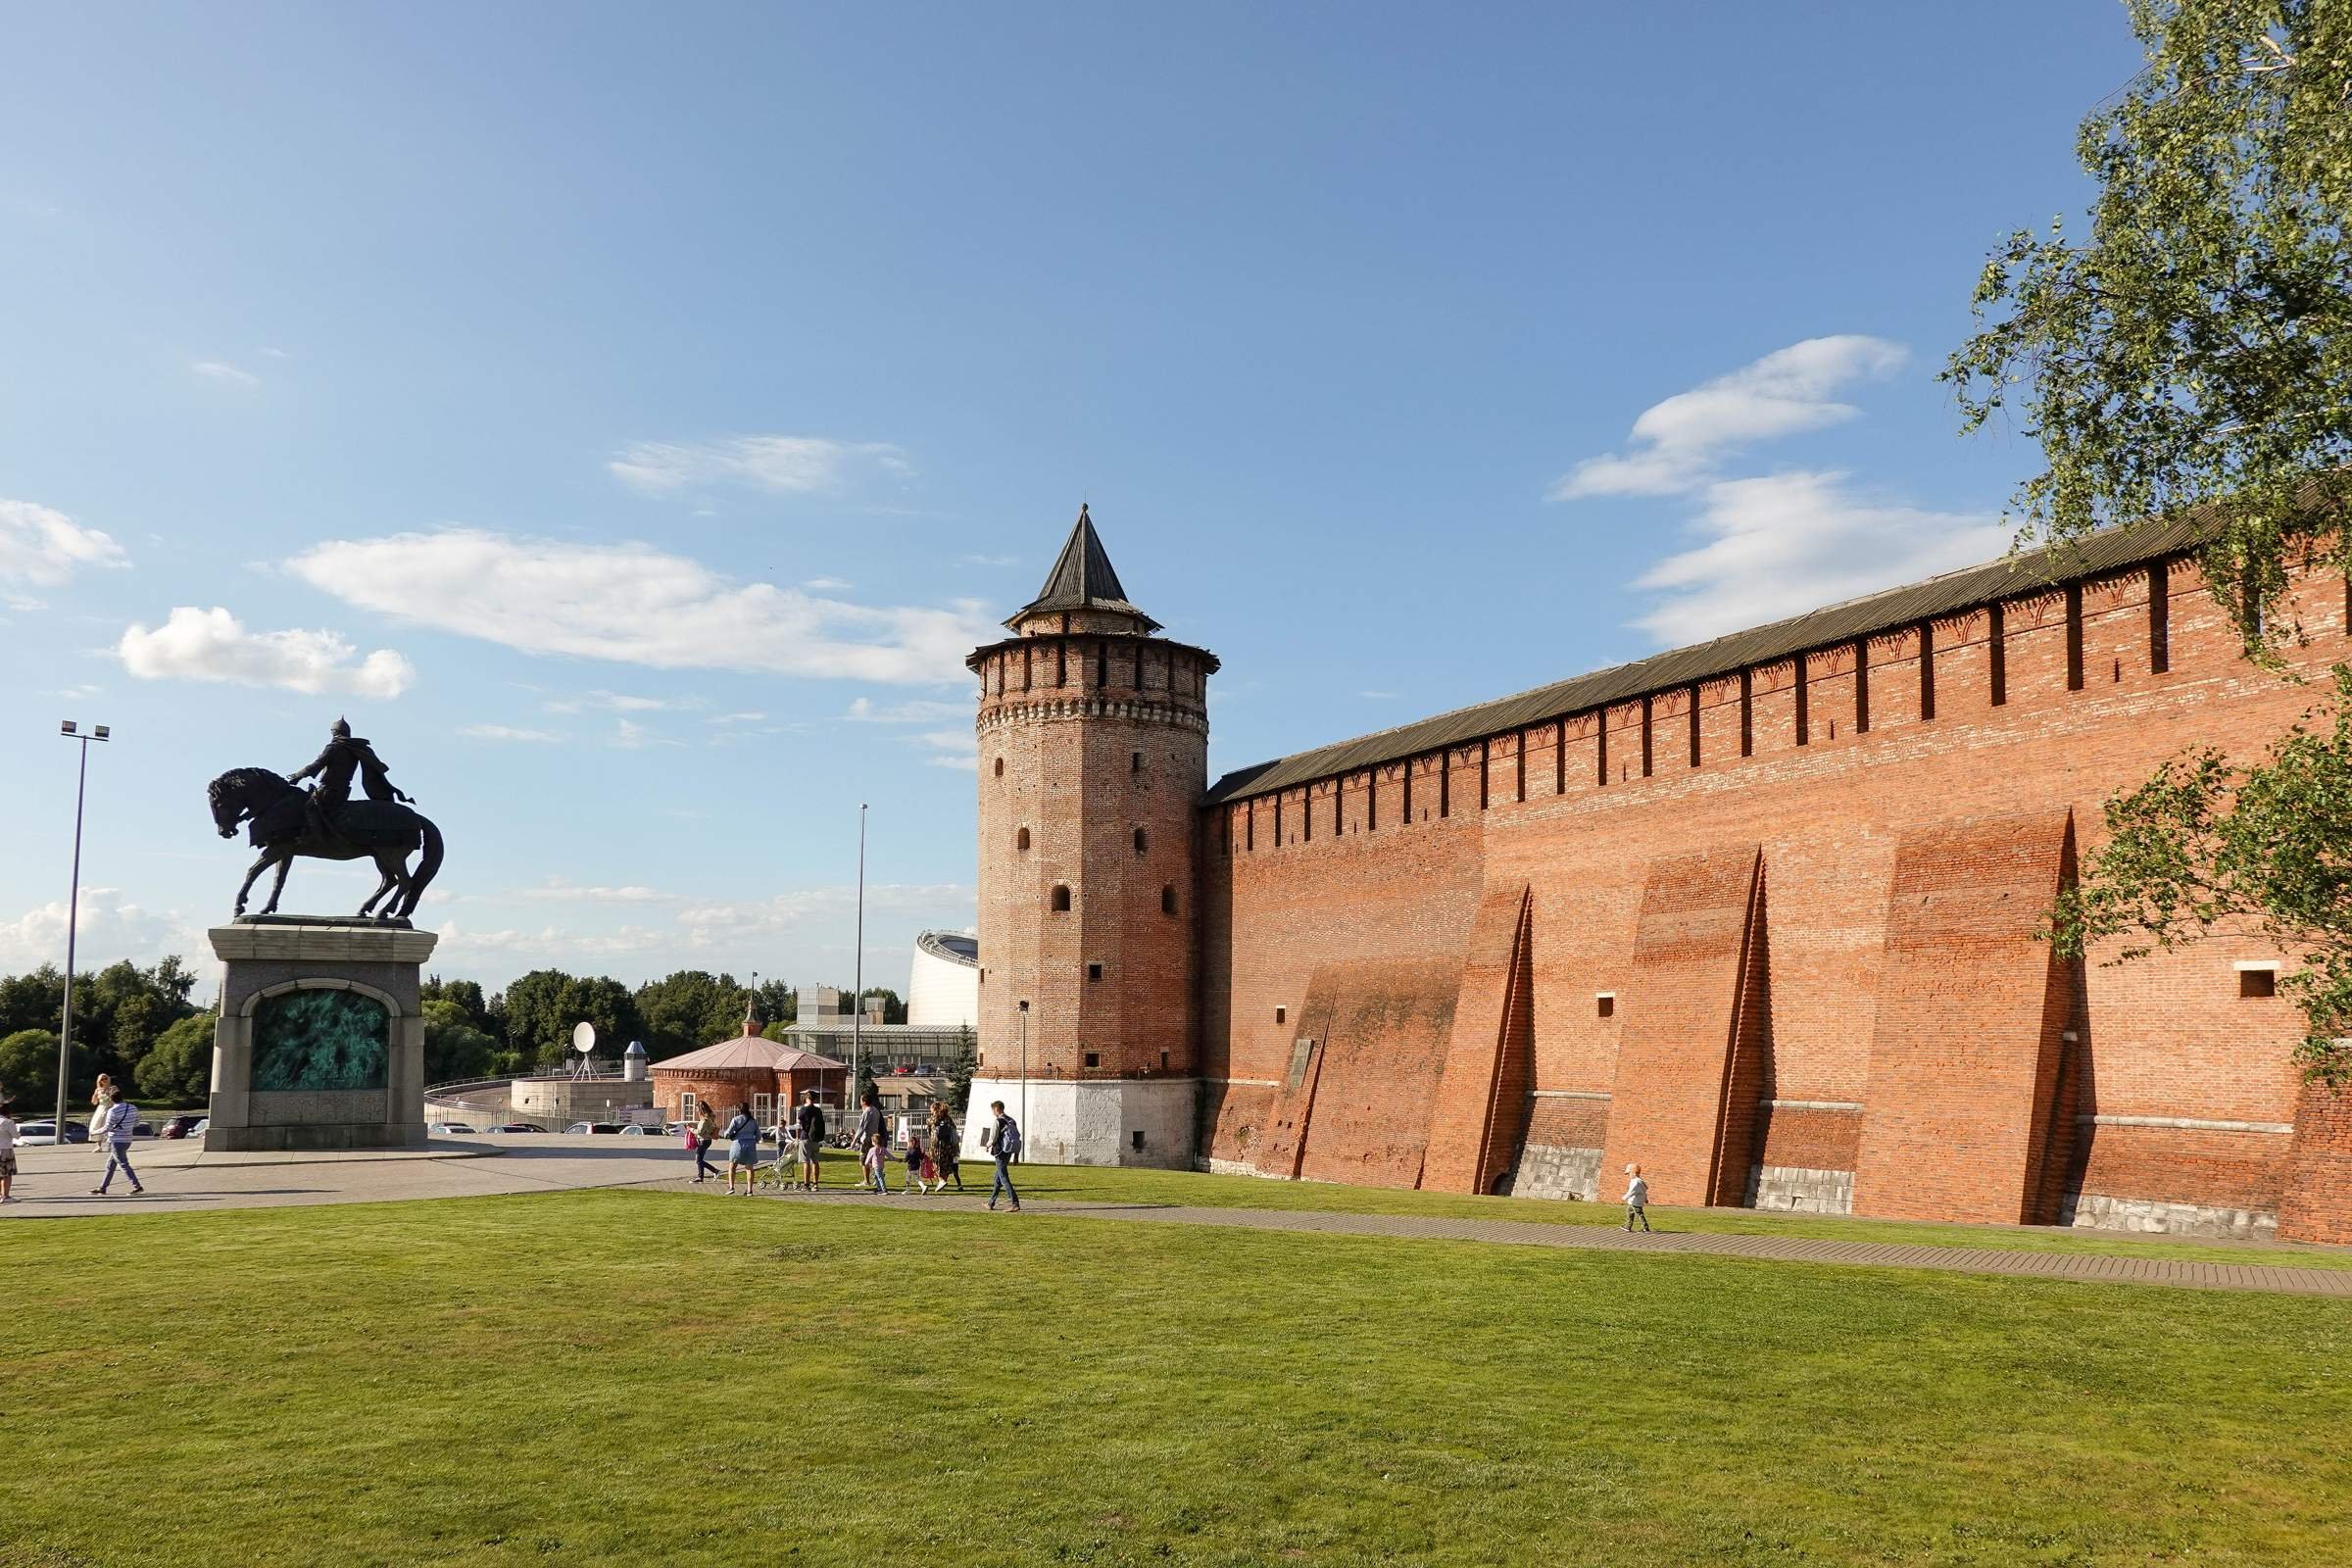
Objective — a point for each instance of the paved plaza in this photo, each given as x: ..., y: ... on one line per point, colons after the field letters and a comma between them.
x: 55, y: 1183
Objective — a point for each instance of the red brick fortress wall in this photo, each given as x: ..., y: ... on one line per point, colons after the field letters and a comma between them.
x: 1374, y: 885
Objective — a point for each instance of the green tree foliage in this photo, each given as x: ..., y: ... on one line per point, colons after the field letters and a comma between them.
x: 118, y: 1013
x: 454, y: 1049
x: 540, y: 1009
x: 779, y: 1004
x: 28, y: 1070
x: 2194, y: 351
x: 689, y: 1009
x: 467, y: 995
x: 178, y: 1069
x: 959, y: 1069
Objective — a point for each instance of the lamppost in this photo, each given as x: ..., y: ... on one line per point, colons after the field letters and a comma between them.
x: 1024, y: 1080
x: 65, y: 1034
x: 857, y: 973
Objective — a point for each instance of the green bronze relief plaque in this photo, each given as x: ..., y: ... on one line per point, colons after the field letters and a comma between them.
x: 321, y: 1040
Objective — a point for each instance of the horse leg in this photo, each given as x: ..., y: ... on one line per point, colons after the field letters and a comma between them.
x: 277, y: 888
x: 260, y: 863
x: 390, y: 881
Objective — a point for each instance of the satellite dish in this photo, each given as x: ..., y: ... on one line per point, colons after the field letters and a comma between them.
x: 583, y: 1037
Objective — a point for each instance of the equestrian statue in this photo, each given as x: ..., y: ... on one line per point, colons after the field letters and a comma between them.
x: 325, y: 823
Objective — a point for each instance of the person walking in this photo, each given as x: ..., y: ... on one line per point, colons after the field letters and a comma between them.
x: 877, y: 1162
x: 812, y: 1139
x: 697, y: 1139
x: 946, y: 1149
x: 869, y: 1122
x: 1637, y: 1198
x: 742, y: 1134
x: 111, y: 1129
x: 1003, y: 1142
x: 915, y: 1163
x: 8, y: 1156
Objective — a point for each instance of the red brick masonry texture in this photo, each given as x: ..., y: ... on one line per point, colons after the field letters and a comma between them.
x: 1791, y: 907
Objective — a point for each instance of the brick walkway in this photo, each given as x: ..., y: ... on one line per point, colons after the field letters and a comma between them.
x: 2092, y: 1267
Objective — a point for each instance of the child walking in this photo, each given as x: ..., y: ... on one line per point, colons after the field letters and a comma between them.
x: 876, y: 1163
x: 915, y: 1161
x: 1637, y: 1198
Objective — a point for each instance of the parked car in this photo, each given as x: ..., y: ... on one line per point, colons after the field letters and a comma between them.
x: 41, y: 1134
x: 637, y: 1129
x: 593, y: 1127
x: 201, y: 1122
x: 514, y: 1127
x: 182, y: 1125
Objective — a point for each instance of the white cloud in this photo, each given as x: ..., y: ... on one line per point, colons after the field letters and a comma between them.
x: 218, y: 370
x: 275, y: 354
x: 918, y: 711
x: 637, y: 605
x: 1380, y: 697
x: 1787, y: 543
x: 825, y: 584
x: 508, y: 732
x: 950, y: 748
x: 989, y: 560
x: 557, y: 889
x: 735, y: 719
x: 1677, y: 443
x: 827, y: 910
x: 109, y: 926
x: 789, y: 465
x: 212, y: 644
x: 41, y: 545
x: 617, y: 702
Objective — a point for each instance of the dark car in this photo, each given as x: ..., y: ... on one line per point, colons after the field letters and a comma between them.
x: 511, y: 1127
x: 181, y: 1125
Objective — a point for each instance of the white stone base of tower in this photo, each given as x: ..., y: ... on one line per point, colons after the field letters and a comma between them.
x: 1091, y: 1121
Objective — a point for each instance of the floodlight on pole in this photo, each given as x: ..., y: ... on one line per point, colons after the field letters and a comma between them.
x: 68, y: 730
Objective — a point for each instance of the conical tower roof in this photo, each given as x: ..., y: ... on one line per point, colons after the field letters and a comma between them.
x: 1083, y: 578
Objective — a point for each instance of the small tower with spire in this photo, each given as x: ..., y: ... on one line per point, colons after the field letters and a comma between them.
x: 1094, y: 758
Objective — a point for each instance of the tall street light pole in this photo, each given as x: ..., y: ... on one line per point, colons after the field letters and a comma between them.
x: 65, y: 1034
x: 857, y: 973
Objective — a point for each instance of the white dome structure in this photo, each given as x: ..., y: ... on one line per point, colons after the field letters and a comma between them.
x: 944, y: 987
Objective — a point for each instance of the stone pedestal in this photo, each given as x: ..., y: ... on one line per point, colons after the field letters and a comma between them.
x: 321, y: 1042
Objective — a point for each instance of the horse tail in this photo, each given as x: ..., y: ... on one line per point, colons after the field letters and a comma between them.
x: 429, y: 865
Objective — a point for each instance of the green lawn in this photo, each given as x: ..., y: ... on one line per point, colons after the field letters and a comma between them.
x: 1091, y: 1184
x: 659, y: 1377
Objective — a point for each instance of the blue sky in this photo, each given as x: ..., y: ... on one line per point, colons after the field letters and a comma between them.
x: 629, y: 416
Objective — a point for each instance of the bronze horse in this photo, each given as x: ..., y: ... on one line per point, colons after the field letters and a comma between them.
x: 281, y: 828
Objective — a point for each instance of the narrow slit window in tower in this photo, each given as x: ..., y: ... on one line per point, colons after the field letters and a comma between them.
x: 1061, y: 899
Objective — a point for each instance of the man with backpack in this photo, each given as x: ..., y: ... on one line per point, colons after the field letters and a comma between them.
x: 112, y: 1130
x: 812, y: 1138
x: 1003, y: 1142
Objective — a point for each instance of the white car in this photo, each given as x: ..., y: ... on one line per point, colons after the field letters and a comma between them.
x: 451, y: 1129
x: 638, y: 1130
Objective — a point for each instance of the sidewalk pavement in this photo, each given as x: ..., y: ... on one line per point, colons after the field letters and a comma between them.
x: 56, y: 1183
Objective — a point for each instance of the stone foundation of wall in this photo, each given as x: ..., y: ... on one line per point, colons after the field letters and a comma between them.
x: 2151, y: 1216
x: 1791, y: 1188
x: 1551, y: 1170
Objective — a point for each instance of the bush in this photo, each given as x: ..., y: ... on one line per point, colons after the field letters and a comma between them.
x: 28, y: 1070
x: 179, y: 1070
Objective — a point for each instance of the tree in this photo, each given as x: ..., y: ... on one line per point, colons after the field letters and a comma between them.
x: 35, y: 1001
x: 540, y: 1009
x: 959, y: 1068
x: 466, y: 994
x: 688, y: 1010
x: 779, y: 1004
x: 454, y: 1049
x: 28, y: 1070
x: 179, y: 1070
x: 2195, y: 352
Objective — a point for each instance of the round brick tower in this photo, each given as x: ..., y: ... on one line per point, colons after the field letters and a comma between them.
x: 1094, y: 755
